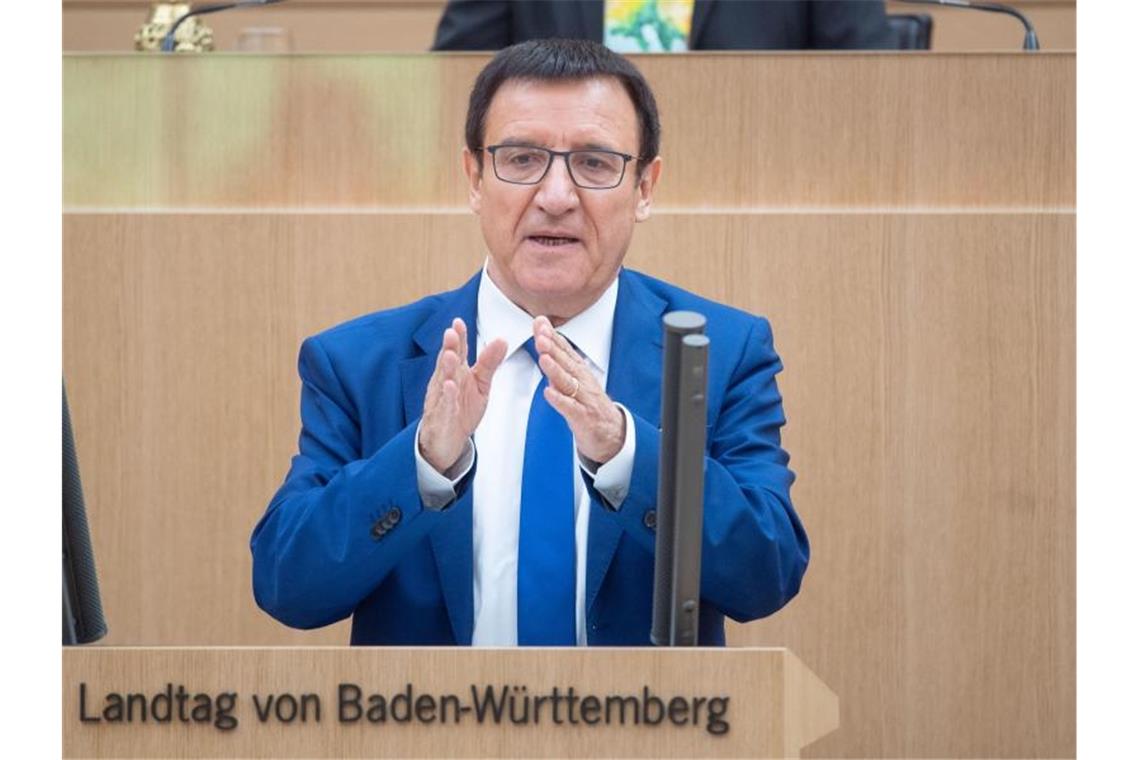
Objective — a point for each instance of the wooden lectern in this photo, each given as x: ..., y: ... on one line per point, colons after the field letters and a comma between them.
x: 440, y: 702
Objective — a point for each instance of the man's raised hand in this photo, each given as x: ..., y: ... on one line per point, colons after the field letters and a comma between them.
x: 456, y: 396
x: 595, y: 420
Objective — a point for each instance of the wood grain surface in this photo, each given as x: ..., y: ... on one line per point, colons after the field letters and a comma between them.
x: 928, y: 384
x: 773, y: 702
x: 786, y: 130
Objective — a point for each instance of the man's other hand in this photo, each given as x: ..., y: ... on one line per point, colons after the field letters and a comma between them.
x: 456, y: 396
x: 595, y: 420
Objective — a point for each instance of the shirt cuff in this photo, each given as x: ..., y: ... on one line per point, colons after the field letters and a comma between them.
x: 612, y: 479
x: 437, y: 489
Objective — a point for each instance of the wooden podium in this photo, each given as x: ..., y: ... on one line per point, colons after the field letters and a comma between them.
x: 440, y: 702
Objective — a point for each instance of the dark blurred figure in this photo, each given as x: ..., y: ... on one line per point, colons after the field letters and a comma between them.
x: 650, y: 26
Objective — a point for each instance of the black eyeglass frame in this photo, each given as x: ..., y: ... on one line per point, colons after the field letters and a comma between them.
x: 565, y: 155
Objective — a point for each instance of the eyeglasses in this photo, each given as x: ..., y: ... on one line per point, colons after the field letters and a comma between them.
x: 594, y: 169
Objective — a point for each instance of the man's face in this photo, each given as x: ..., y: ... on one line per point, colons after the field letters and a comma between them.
x: 554, y: 246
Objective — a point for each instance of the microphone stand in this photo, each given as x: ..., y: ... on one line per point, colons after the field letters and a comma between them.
x: 168, y: 42
x: 1030, y: 33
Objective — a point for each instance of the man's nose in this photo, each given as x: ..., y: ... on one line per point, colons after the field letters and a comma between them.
x: 557, y: 193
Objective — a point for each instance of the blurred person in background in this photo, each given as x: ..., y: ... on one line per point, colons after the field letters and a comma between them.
x: 664, y: 26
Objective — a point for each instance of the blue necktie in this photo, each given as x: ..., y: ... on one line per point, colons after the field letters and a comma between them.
x: 546, y: 572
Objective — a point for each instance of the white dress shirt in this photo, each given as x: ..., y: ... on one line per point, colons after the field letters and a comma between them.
x: 500, y: 440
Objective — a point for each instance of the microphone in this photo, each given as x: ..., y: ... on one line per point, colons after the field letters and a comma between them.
x: 1030, y: 32
x: 680, y: 481
x: 168, y: 40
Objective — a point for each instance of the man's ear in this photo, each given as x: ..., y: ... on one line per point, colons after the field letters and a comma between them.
x: 474, y: 180
x: 645, y: 186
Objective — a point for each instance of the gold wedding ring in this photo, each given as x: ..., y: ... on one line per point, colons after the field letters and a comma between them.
x: 577, y: 385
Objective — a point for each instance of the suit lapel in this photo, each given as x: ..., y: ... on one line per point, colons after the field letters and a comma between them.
x: 451, y: 538
x: 634, y: 380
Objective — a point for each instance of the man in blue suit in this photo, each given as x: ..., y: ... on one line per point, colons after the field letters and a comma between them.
x: 480, y: 467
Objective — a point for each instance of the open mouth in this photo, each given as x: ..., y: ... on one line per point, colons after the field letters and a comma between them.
x: 553, y: 242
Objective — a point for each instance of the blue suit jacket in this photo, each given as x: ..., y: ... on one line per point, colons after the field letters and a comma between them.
x: 347, y: 534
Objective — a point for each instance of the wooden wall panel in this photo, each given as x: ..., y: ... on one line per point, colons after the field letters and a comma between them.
x: 819, y: 130
x: 929, y: 388
x: 408, y: 26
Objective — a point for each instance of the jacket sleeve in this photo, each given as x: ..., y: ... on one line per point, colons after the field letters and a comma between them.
x: 339, y: 523
x: 474, y: 25
x: 754, y: 551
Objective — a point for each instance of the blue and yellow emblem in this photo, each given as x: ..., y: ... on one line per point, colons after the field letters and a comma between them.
x: 648, y: 26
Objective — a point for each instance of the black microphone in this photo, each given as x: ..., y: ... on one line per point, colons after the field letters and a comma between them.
x: 168, y: 40
x: 1030, y: 32
x: 680, y: 481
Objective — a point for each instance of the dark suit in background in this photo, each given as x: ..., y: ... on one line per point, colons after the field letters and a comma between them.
x: 717, y: 24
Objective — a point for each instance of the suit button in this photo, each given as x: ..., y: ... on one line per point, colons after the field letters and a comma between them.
x: 378, y: 530
x: 391, y: 519
x: 650, y: 519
